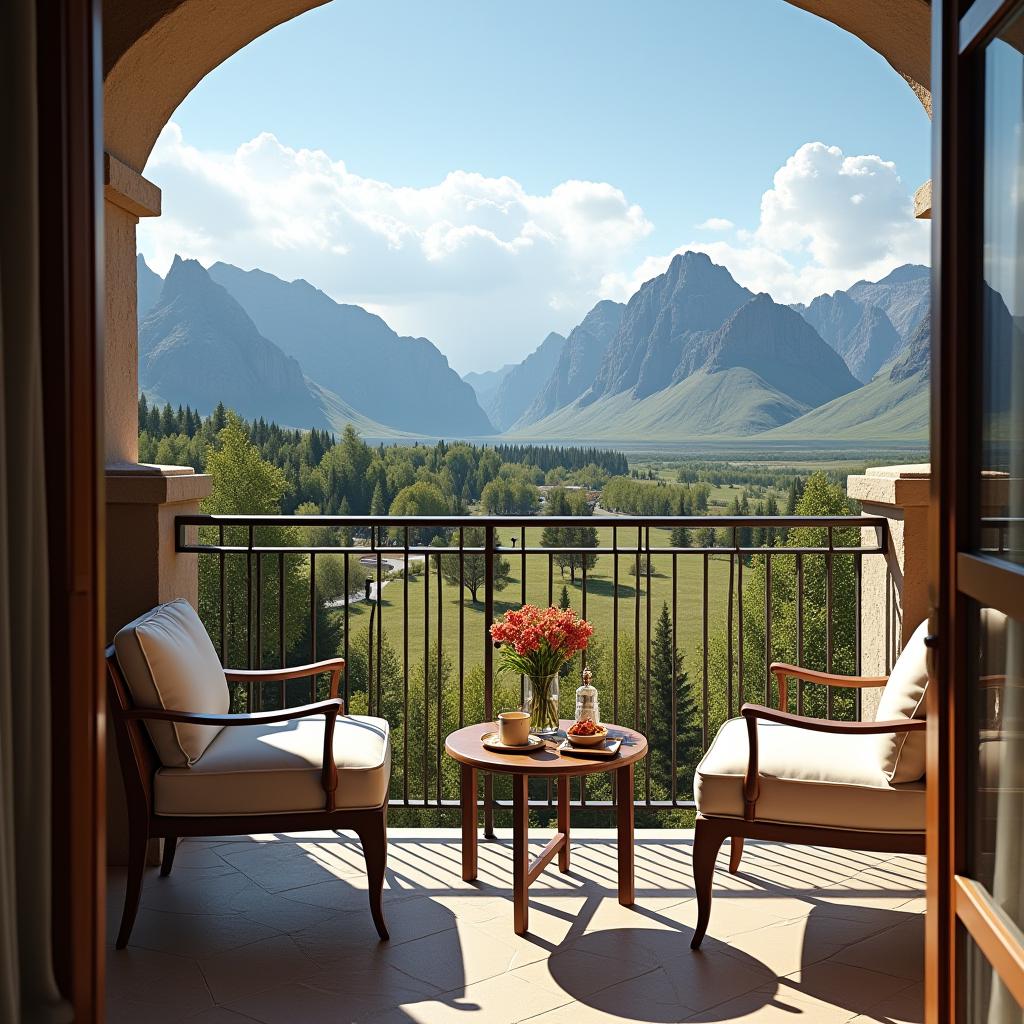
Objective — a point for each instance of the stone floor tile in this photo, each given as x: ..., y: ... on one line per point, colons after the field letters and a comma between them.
x: 250, y: 969
x: 653, y: 995
x: 346, y: 931
x: 906, y: 1007
x: 292, y: 865
x: 766, y: 1007
x: 578, y: 972
x: 853, y: 988
x: 366, y: 988
x: 179, y: 894
x: 454, y: 958
x: 898, y: 950
x: 283, y: 915
x: 501, y: 1000
x: 196, y: 935
x: 174, y: 984
x: 219, y: 1015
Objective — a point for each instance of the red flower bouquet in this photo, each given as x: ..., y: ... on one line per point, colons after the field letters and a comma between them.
x: 537, y: 643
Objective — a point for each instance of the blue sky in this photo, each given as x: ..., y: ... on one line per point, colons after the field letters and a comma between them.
x: 684, y: 111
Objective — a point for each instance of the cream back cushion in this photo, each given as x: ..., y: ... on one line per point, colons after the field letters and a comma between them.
x: 169, y: 662
x: 901, y: 755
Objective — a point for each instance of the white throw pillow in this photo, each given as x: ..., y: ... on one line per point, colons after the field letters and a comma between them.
x: 902, y: 755
x: 169, y: 662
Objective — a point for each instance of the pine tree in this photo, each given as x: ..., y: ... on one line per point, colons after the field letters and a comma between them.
x: 219, y: 418
x: 378, y: 506
x: 666, y: 671
x: 563, y: 600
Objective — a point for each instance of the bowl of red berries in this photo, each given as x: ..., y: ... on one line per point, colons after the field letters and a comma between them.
x: 586, y: 734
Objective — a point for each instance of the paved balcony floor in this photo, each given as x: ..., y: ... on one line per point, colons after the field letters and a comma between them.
x: 276, y: 929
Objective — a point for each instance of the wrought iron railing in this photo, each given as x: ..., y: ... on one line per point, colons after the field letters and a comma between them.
x: 417, y: 650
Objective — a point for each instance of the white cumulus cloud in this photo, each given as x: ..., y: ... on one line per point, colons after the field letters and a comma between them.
x: 828, y: 221
x: 716, y: 224
x: 478, y: 264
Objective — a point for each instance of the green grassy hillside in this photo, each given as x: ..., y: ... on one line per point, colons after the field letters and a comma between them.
x: 729, y: 403
x: 882, y: 410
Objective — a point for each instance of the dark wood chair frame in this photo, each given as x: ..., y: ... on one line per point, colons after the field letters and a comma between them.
x: 712, y: 831
x: 139, y: 763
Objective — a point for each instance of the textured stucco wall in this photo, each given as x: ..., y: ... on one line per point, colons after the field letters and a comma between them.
x: 894, y: 590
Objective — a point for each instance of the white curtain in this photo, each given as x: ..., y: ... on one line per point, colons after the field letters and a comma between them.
x: 28, y: 990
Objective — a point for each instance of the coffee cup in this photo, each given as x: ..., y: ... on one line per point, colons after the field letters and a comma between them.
x: 514, y: 728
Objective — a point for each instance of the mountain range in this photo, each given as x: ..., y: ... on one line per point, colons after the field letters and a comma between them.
x: 692, y: 354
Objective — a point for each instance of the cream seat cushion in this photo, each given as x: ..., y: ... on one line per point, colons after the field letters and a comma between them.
x: 807, y: 778
x: 275, y: 769
x: 169, y: 661
x: 901, y: 755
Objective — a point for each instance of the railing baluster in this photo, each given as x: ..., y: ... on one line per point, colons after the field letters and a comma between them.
x: 704, y: 689
x: 426, y: 677
x: 440, y: 674
x: 829, y: 699
x: 741, y: 682
x: 638, y: 575
x: 674, y: 738
x: 222, y: 581
x: 259, y: 628
x: 281, y: 613
x: 312, y: 622
x: 647, y: 700
x: 347, y: 622
x: 488, y: 669
x: 767, y: 628
x: 462, y: 627
x: 615, y: 624
x: 379, y: 609
x: 800, y: 630
x: 405, y: 667
x: 729, y: 631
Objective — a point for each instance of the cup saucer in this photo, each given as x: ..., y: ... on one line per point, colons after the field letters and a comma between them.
x: 491, y: 742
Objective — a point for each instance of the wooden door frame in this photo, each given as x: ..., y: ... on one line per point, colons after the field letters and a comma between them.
x: 69, y: 97
x: 960, y: 30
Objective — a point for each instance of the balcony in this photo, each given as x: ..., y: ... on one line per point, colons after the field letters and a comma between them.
x: 275, y: 927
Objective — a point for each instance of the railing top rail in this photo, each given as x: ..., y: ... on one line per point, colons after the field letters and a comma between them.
x: 654, y: 522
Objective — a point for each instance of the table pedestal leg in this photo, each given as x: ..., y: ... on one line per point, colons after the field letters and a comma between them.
x: 467, y: 796
x: 563, y: 821
x: 520, y: 852
x: 624, y: 792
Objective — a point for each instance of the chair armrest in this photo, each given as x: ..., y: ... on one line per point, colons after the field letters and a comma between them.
x: 330, y: 709
x: 264, y: 675
x: 783, y: 671
x: 752, y: 713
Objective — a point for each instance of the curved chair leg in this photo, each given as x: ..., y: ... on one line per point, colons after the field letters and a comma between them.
x: 138, y: 839
x: 708, y: 839
x: 170, y: 844
x: 735, y: 854
x: 373, y: 834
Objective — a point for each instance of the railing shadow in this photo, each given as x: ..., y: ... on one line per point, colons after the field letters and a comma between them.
x: 707, y: 983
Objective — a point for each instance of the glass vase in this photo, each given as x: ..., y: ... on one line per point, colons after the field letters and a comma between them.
x: 541, y: 701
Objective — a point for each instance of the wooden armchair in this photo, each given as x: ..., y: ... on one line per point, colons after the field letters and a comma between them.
x: 770, y: 774
x: 192, y: 769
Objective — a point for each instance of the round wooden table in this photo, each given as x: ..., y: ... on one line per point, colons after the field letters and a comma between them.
x: 465, y: 747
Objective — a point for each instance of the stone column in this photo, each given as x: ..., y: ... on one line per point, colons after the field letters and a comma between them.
x: 894, y: 591
x: 143, y: 568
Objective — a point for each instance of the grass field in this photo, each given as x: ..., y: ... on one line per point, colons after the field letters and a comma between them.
x: 600, y: 599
